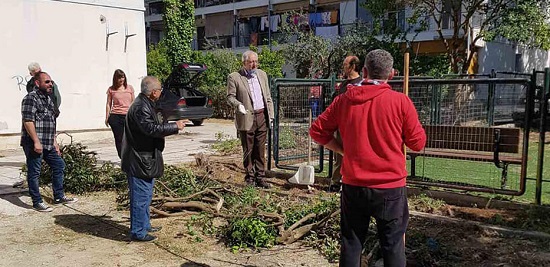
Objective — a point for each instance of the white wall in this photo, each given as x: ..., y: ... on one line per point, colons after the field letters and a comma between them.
x: 501, y: 56
x: 68, y: 39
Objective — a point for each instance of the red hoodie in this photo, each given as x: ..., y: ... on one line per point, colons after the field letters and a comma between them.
x: 374, y: 122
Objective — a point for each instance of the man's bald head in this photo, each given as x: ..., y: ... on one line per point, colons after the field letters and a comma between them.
x: 351, y: 64
x: 149, y: 84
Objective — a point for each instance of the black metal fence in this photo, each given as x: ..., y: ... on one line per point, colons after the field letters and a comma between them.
x: 492, y: 110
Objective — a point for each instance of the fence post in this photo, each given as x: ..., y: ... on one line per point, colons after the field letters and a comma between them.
x: 543, y: 109
x: 491, y: 99
x: 270, y: 129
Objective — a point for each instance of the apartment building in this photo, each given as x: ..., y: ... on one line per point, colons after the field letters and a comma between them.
x: 237, y: 24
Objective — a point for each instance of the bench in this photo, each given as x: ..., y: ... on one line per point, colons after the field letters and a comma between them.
x: 483, y: 144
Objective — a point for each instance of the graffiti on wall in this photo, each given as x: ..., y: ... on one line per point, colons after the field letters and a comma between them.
x: 21, y: 82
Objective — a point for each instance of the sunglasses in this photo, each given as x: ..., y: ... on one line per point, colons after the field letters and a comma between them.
x: 48, y: 81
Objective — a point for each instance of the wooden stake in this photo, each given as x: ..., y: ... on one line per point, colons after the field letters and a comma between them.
x: 406, y: 92
x: 406, y: 87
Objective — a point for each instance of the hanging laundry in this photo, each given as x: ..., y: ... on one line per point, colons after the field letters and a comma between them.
x: 330, y: 32
x: 334, y: 17
x: 254, y: 24
x: 315, y: 19
x: 325, y: 18
x: 264, y: 23
x: 254, y: 39
x: 274, y: 23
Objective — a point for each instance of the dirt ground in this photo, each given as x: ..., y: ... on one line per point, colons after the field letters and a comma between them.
x: 93, y: 232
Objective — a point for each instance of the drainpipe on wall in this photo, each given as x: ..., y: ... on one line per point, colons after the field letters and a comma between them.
x: 269, y: 9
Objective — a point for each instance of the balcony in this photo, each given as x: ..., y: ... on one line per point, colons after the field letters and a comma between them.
x: 207, y: 3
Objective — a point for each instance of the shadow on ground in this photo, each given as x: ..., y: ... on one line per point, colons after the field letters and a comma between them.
x: 13, y: 198
x: 100, y: 226
x: 194, y: 264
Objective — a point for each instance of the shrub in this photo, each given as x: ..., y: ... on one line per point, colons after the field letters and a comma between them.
x: 158, y: 64
x: 81, y: 172
x: 250, y: 232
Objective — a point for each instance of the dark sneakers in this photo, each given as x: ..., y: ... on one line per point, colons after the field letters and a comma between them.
x: 261, y: 183
x: 249, y: 182
x: 65, y: 200
x: 146, y: 238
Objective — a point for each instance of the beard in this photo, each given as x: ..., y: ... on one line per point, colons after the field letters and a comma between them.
x: 45, y: 90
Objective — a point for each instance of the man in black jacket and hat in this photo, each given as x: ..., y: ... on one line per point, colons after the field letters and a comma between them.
x: 142, y: 147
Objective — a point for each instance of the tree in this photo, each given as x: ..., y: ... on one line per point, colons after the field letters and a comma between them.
x: 522, y: 21
x: 305, y: 51
x: 270, y: 61
x: 179, y: 18
x: 527, y: 23
x: 358, y: 41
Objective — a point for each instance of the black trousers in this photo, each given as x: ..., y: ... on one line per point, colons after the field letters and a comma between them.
x: 117, y: 121
x: 390, y: 209
x: 253, y: 143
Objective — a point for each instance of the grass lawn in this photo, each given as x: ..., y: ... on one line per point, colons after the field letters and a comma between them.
x: 486, y: 173
x: 482, y: 173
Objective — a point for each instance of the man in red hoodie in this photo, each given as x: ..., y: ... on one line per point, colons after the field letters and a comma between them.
x: 374, y: 122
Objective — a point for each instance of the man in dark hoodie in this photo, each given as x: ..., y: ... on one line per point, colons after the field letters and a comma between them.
x: 374, y: 122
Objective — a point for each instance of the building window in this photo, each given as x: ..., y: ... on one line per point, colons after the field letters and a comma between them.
x: 156, y: 8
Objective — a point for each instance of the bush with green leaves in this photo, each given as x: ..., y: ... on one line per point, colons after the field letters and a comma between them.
x: 213, y: 82
x: 81, y: 171
x: 158, y: 64
x: 250, y: 232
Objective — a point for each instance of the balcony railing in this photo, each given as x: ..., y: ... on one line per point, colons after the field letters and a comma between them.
x: 206, y: 3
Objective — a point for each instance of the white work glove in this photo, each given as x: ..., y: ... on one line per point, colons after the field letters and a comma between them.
x: 241, y: 109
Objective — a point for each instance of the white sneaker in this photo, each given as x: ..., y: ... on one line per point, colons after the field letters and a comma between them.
x: 42, y: 207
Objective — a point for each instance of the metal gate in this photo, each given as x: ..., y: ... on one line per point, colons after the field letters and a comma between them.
x: 488, y: 101
x: 294, y: 100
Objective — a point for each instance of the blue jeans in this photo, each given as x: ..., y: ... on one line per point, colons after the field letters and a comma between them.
x: 34, y: 164
x: 141, y: 194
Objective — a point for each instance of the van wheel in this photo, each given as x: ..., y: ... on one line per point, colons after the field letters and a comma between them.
x: 197, y: 122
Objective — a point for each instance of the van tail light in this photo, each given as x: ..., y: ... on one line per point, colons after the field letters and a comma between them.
x: 210, y: 102
x: 182, y: 102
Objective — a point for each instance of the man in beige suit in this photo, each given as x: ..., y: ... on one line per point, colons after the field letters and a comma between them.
x: 248, y: 92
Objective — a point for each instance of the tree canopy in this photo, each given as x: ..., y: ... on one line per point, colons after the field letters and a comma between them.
x: 523, y: 21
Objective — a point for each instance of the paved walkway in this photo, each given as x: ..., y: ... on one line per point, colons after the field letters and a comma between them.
x: 179, y: 148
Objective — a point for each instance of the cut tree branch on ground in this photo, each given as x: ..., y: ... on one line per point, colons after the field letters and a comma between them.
x: 289, y: 237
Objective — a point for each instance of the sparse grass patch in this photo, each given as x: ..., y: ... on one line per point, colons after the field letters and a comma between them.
x: 423, y: 203
x: 226, y: 145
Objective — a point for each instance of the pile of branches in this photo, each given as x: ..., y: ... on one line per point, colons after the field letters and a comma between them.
x: 277, y: 220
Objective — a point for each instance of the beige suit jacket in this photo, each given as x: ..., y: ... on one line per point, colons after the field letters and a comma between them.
x: 238, y: 92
